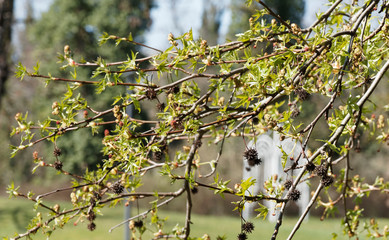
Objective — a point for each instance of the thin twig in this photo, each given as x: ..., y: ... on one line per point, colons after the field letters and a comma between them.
x: 189, y: 162
x: 176, y: 194
x: 304, y: 214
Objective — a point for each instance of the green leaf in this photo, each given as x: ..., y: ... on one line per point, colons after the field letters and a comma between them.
x: 21, y: 71
x: 36, y: 68
x: 263, y: 211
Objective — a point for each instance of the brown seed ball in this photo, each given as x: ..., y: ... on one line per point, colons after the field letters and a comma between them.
x: 251, y: 156
x: 288, y: 184
x: 321, y: 171
x: 247, y: 227
x: 327, y: 180
x: 242, y: 236
x: 58, y: 165
x: 294, y: 195
x: 91, y: 226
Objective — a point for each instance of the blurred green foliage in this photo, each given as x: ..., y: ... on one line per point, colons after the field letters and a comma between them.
x: 80, y: 24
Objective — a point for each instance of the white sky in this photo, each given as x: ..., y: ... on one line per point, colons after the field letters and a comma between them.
x: 190, y: 17
x: 311, y: 8
x: 164, y: 20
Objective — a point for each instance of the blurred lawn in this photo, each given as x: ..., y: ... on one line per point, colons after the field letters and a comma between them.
x: 15, y: 214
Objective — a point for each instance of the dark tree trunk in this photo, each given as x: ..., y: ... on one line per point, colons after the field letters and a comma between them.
x: 6, y: 13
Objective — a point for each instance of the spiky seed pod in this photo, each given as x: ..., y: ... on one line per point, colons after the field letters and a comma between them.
x: 301, y: 93
x: 294, y: 195
x: 176, y: 89
x: 247, y: 227
x: 242, y: 236
x: 310, y: 167
x: 251, y: 156
x: 288, y: 184
x: 327, y: 180
x: 138, y: 224
x: 255, y: 120
x: 150, y: 93
x: 91, y: 226
x: 97, y: 196
x: 160, y: 106
x: 92, y: 202
x: 91, y: 216
x: 57, y: 152
x: 117, y: 188
x: 157, y: 156
x: 194, y: 190
x: 173, y: 90
x: 58, y: 165
x: 321, y: 171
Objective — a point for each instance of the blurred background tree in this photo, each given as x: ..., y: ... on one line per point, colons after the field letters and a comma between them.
x: 6, y: 13
x: 78, y: 24
x: 292, y: 10
x: 82, y: 24
x: 6, y: 18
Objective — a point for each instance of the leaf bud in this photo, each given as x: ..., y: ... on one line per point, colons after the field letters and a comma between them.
x: 35, y: 155
x: 54, y: 105
x: 186, y: 148
x: 18, y: 116
x: 206, y: 237
x: 170, y: 37
x: 220, y: 102
x: 114, y: 171
x: 73, y: 197
x: 56, y: 207
x: 71, y: 62
x: 66, y: 49
x: 295, y: 28
x: 381, y: 122
x: 131, y: 225
x: 158, y: 234
x: 106, y: 132
x: 203, y: 44
x: 55, y: 111
x: 116, y: 109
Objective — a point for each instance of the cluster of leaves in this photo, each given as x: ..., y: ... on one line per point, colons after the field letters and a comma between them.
x: 214, y: 92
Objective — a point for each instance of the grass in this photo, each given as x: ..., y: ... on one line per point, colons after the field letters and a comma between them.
x: 15, y: 215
